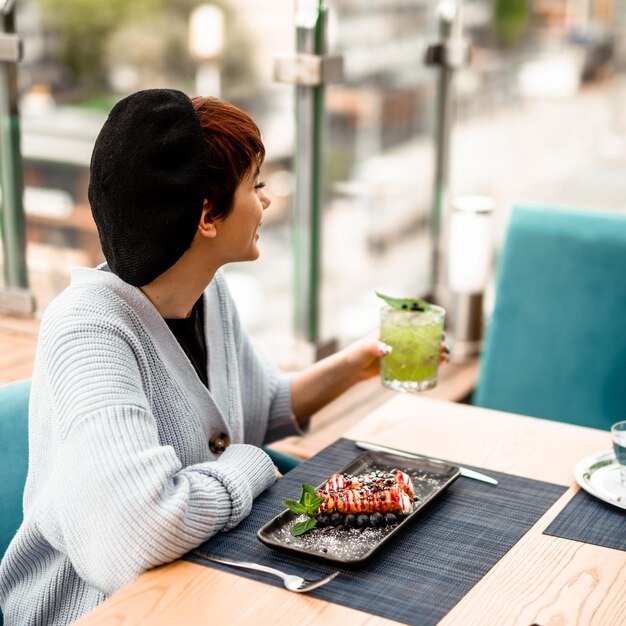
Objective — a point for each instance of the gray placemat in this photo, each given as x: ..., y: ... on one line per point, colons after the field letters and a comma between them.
x: 424, y: 570
x: 590, y: 520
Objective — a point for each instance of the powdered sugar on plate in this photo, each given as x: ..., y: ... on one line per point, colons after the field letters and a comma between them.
x: 351, y: 545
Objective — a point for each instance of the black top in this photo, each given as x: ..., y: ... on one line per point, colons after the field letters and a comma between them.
x: 189, y: 333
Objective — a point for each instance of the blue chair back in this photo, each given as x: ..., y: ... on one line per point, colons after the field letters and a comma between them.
x: 13, y: 457
x: 283, y: 461
x: 556, y: 343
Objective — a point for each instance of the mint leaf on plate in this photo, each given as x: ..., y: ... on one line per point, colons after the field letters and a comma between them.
x: 295, y: 507
x: 308, y: 505
x: 314, y: 506
x: 301, y: 527
x: 306, y: 488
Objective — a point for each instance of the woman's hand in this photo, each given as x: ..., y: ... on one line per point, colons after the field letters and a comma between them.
x: 322, y: 382
x: 444, y: 351
x: 363, y: 357
x: 325, y: 380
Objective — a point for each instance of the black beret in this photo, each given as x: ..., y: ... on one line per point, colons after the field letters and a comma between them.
x: 147, y: 183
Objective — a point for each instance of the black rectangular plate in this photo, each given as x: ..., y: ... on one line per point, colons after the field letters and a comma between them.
x: 355, y: 546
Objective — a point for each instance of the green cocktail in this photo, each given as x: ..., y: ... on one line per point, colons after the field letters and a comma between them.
x: 415, y: 338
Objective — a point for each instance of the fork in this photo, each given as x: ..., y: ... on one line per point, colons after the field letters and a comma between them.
x: 291, y: 582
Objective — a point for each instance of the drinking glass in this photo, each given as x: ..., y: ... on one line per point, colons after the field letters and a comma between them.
x: 415, y: 340
x: 618, y: 434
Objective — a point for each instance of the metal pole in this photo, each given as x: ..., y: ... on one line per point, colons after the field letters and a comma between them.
x: 450, y: 54
x: 309, y: 70
x: 310, y: 39
x: 15, y: 297
x: 444, y: 117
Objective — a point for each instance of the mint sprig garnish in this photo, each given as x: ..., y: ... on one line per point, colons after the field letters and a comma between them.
x: 309, y: 505
x: 406, y: 304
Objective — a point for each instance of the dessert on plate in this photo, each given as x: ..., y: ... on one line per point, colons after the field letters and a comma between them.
x: 380, y: 495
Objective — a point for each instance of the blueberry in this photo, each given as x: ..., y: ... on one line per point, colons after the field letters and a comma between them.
x: 391, y: 519
x: 323, y: 520
x: 350, y: 521
x: 336, y: 519
x: 363, y: 521
x: 377, y: 520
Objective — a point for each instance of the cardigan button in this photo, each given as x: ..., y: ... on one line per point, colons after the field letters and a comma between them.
x: 219, y: 442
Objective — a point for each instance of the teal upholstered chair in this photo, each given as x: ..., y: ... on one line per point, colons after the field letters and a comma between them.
x: 284, y: 462
x: 13, y: 457
x: 556, y: 343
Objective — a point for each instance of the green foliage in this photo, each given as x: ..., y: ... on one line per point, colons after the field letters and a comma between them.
x: 309, y: 504
x: 82, y: 27
x: 92, y: 36
x: 510, y: 20
x: 100, y: 102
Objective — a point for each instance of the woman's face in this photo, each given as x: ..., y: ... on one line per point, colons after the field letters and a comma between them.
x: 238, y: 231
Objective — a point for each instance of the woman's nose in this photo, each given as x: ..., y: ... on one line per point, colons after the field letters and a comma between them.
x: 265, y: 201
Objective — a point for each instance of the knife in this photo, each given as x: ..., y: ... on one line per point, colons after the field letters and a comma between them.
x: 468, y: 473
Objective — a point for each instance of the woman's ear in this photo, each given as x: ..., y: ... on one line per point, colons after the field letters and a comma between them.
x: 206, y: 227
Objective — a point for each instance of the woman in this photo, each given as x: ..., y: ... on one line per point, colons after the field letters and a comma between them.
x: 149, y: 404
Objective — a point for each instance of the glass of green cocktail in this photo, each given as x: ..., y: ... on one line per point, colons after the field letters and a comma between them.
x: 414, y: 331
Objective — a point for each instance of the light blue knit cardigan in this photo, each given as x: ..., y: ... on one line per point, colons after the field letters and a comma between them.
x: 121, y: 478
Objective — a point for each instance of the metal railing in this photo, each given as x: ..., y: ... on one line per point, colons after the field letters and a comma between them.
x: 309, y: 70
x: 15, y: 297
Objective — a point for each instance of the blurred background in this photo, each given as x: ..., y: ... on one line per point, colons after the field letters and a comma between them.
x: 537, y: 115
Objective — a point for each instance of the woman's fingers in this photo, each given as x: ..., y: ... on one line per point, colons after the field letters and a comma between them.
x: 383, y: 348
x: 444, y: 350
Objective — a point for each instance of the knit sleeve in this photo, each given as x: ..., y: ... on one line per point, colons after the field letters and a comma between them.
x: 123, y: 501
x: 266, y: 393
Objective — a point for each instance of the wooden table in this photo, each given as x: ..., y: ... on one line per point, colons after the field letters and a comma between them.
x: 542, y: 580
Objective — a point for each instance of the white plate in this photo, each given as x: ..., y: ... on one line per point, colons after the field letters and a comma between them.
x: 598, y: 474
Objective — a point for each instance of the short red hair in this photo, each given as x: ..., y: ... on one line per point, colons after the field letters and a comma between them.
x: 234, y: 147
